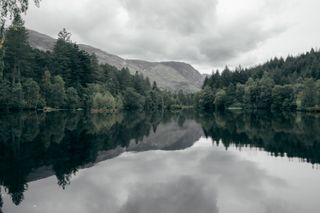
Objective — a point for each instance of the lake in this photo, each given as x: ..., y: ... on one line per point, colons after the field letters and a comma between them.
x: 183, y: 162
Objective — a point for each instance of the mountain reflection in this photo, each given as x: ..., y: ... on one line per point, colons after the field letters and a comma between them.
x: 34, y: 146
x: 38, y: 145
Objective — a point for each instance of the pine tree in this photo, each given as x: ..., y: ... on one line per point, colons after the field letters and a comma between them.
x: 17, y: 51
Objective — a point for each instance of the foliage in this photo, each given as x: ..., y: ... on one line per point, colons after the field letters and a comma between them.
x: 103, y: 101
x: 16, y: 98
x: 72, y: 98
x: 220, y: 100
x: 309, y: 98
x: 31, y: 94
x: 206, y: 99
x: 14, y: 7
x: 5, y: 93
x: 133, y: 100
x: 17, y: 49
x: 279, y: 84
x: 283, y: 98
x: 71, y: 78
x: 56, y: 93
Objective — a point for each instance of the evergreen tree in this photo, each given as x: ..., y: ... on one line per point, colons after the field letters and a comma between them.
x: 76, y: 66
x: 17, y: 51
x: 124, y: 79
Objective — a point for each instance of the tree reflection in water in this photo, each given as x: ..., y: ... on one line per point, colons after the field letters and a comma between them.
x: 64, y: 142
x: 291, y: 135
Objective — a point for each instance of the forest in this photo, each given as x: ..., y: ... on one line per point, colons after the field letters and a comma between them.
x: 70, y: 78
x: 279, y: 85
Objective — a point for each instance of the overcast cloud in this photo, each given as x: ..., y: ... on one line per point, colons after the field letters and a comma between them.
x: 208, y: 34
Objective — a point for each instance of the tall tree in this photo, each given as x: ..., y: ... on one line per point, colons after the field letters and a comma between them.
x: 74, y: 65
x: 17, y: 51
x: 10, y: 8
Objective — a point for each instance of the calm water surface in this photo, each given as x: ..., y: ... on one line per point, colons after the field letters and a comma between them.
x: 159, y: 163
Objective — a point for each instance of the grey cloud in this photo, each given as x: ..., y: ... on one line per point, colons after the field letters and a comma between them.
x: 185, y: 30
x: 183, y: 17
x: 236, y: 39
x: 185, y: 194
x: 189, y: 30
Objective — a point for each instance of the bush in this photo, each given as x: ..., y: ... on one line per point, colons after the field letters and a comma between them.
x: 103, y: 101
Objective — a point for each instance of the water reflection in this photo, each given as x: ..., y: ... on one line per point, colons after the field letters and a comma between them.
x: 60, y: 143
x: 194, y: 180
x: 36, y: 146
x: 291, y: 135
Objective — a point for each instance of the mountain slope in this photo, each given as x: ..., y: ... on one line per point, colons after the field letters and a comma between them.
x: 171, y: 76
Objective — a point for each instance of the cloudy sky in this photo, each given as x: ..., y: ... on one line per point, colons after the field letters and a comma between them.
x: 209, y: 34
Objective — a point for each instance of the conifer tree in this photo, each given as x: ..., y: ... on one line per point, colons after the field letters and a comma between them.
x: 17, y: 51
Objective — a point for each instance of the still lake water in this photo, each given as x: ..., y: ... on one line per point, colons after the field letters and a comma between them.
x: 159, y: 163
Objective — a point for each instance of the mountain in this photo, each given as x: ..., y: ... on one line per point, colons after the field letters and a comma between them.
x: 170, y: 75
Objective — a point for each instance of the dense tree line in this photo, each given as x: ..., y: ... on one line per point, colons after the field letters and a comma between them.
x: 280, y: 84
x: 70, y: 78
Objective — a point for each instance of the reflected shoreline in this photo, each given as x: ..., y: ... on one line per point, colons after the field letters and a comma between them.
x: 34, y: 146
